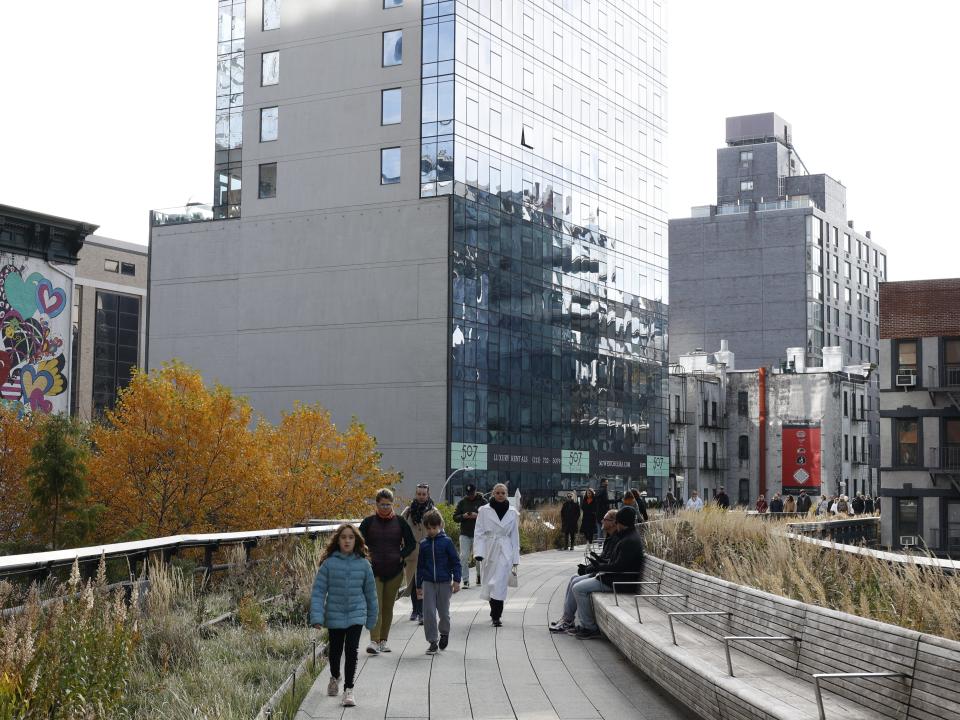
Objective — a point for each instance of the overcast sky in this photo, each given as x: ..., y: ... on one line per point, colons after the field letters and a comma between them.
x: 108, y: 108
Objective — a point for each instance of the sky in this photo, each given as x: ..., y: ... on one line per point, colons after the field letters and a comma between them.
x: 108, y: 108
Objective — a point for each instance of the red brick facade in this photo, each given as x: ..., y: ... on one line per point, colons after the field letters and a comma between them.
x: 920, y: 308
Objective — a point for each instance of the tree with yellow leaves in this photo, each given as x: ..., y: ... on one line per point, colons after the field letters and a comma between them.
x: 174, y: 456
x: 17, y: 436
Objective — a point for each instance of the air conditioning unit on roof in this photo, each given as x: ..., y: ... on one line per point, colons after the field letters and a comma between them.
x: 907, y: 380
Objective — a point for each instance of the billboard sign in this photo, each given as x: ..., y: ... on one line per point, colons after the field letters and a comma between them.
x: 801, y: 458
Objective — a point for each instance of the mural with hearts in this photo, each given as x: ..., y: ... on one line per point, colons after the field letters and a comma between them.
x: 33, y: 329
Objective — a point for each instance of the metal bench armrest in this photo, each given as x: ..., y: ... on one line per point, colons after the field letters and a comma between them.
x: 818, y: 676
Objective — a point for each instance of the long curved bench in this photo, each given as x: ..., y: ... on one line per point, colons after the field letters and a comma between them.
x: 783, y: 651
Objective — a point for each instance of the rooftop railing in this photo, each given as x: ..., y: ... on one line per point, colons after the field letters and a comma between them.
x: 193, y: 212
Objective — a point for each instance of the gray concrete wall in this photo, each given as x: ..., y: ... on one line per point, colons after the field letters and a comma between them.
x: 347, y: 308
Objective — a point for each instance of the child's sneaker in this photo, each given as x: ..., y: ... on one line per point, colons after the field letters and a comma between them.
x: 333, y: 687
x: 348, y: 700
x: 374, y: 648
x: 444, y: 641
x: 432, y: 650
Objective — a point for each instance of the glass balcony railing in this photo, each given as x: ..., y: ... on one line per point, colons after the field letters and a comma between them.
x: 193, y: 212
x: 801, y: 201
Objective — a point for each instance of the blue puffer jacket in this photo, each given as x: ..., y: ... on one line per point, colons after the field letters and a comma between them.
x: 344, y: 593
x: 438, y: 561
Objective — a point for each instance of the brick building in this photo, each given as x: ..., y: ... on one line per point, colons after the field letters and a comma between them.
x: 920, y: 414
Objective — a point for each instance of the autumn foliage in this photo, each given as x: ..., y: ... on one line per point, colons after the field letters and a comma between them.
x: 178, y: 456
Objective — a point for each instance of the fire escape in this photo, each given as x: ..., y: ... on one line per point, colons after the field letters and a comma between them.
x: 944, y: 387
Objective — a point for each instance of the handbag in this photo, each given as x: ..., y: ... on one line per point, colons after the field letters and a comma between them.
x: 512, y: 578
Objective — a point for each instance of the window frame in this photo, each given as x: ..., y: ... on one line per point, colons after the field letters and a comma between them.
x: 400, y: 156
x: 383, y: 48
x: 898, y: 460
x: 263, y: 61
x: 263, y: 17
x: 111, y: 266
x: 383, y: 95
x: 277, y: 133
x: 390, y: 4
x: 125, y: 265
x: 260, y: 170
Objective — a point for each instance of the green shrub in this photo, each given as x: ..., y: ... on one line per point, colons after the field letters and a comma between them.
x: 450, y: 526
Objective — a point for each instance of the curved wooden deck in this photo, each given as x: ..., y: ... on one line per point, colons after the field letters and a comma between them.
x: 517, y: 672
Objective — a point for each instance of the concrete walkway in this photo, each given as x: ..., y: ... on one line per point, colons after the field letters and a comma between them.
x: 517, y: 672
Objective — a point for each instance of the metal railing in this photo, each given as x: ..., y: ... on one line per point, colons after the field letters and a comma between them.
x: 636, y: 600
x: 818, y: 676
x: 947, y: 376
x: 671, y: 615
x: 944, y: 458
x: 718, y: 465
x: 752, y: 638
x: 682, y: 418
x: 193, y: 212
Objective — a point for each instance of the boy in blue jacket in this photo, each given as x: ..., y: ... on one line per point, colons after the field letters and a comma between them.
x: 438, y: 577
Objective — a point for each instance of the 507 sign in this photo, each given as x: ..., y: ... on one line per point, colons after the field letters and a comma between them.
x: 468, y: 455
x: 575, y: 461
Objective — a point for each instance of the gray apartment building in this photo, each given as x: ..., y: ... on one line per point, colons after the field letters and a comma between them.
x: 775, y: 263
x: 920, y: 414
x: 443, y: 218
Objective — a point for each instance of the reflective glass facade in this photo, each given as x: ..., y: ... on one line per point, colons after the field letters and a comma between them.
x: 229, y: 125
x: 546, y: 123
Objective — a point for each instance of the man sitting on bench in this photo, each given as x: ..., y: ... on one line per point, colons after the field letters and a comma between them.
x: 585, y: 572
x: 625, y: 565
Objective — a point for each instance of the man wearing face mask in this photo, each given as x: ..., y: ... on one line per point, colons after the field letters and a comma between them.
x: 422, y: 504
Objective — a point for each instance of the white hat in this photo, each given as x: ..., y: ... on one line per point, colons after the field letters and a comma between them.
x: 643, y: 493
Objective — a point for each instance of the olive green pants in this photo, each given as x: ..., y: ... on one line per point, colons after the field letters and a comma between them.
x: 386, y: 597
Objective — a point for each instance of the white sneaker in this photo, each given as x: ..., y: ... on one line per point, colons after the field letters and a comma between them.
x: 384, y: 647
x: 348, y: 700
x: 333, y: 687
x: 373, y: 648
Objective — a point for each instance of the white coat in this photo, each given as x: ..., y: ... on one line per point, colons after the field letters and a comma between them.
x: 498, y: 543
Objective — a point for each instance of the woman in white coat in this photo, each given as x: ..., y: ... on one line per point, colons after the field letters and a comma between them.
x: 496, y: 543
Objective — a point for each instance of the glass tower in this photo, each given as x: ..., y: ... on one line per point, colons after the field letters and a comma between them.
x: 546, y: 122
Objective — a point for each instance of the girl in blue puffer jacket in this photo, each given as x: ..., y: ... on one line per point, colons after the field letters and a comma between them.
x: 344, y: 600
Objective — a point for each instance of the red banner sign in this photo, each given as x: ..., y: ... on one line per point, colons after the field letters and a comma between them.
x: 801, y: 457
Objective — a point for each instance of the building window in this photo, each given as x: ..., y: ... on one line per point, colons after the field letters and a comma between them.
x: 848, y: 318
x: 271, y: 14
x: 267, y: 187
x: 846, y: 447
x: 908, y: 517
x: 75, y: 351
x: 713, y: 455
x: 706, y: 456
x: 746, y: 155
x: 742, y: 404
x: 743, y: 447
x: 389, y: 166
x: 270, y: 68
x: 845, y: 408
x: 676, y: 405
x: 846, y: 269
x: 713, y: 413
x: 951, y: 362
x: 392, y: 48
x: 390, y: 106
x: 744, y: 494
x: 269, y: 124
x: 746, y: 185
x: 907, y: 357
x: 836, y: 237
x: 907, y: 441
x: 846, y: 242
x: 392, y: 4
x: 111, y: 266
x: 128, y: 269
x: 115, y: 348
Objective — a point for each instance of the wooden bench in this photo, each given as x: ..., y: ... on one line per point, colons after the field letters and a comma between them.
x: 756, y: 655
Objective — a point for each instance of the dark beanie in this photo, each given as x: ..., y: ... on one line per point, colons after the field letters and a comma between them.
x: 627, y: 516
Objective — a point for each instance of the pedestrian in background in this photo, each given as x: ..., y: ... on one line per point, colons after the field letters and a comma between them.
x: 438, y: 577
x: 761, y: 506
x: 569, y: 518
x: 588, y: 509
x: 790, y: 505
x: 776, y: 505
x: 466, y: 515
x: 496, y: 544
x: 413, y: 514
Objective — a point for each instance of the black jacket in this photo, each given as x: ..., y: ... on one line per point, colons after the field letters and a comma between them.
x: 626, y: 561
x: 723, y: 500
x: 408, y: 543
x: 603, y: 502
x: 589, y: 516
x: 466, y: 505
x: 858, y: 505
x: 776, y: 505
x: 803, y: 503
x: 569, y: 516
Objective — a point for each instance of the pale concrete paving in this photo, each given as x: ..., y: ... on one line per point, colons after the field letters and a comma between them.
x: 519, y: 672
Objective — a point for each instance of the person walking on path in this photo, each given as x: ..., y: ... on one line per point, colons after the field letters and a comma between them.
x: 694, y: 502
x: 466, y: 515
x: 588, y: 508
x: 761, y: 505
x: 390, y: 541
x: 603, y: 504
x: 344, y: 600
x: 625, y: 565
x: 413, y: 514
x: 641, y: 498
x: 438, y: 577
x: 722, y: 500
x: 804, y: 503
x: 496, y: 544
x: 670, y: 504
x: 569, y: 518
x: 776, y: 505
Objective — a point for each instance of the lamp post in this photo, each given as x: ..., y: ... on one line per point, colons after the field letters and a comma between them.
x: 450, y: 476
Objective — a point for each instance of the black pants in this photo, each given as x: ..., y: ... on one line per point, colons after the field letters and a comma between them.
x: 339, y: 636
x: 496, y: 609
x: 588, y: 532
x: 569, y: 539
